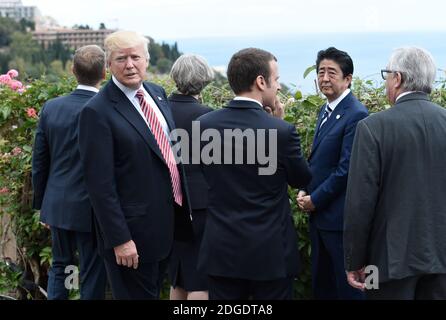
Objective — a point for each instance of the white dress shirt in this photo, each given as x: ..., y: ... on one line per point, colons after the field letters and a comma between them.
x: 87, y: 88
x: 131, y: 95
x: 247, y: 99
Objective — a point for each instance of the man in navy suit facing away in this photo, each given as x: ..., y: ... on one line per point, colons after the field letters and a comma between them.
x: 329, y: 163
x: 250, y: 246
x: 58, y: 181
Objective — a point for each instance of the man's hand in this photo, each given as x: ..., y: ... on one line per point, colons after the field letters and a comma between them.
x: 305, y: 203
x: 277, y: 110
x: 46, y: 226
x: 301, y: 194
x: 357, y: 279
x: 127, y: 255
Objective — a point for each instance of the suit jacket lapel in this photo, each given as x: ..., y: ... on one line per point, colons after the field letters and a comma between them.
x: 127, y: 110
x: 318, y: 124
x: 162, y: 106
x: 335, y: 116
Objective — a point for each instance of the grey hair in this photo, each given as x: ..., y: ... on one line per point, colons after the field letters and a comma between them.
x: 191, y: 74
x: 417, y: 67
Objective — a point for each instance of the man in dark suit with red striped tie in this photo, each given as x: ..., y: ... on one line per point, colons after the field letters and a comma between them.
x: 136, y: 188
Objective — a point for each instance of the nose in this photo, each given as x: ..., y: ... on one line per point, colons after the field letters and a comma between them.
x: 129, y: 63
x: 325, y: 77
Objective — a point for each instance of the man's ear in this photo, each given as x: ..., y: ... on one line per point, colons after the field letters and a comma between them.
x: 260, y: 83
x: 349, y: 79
x: 398, y: 80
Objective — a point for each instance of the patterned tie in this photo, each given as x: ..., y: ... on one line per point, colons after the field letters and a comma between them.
x: 327, y: 113
x: 163, y: 144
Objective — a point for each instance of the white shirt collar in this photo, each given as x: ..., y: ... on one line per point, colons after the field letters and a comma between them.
x: 247, y: 99
x: 403, y: 94
x: 87, y: 88
x: 130, y: 93
x: 335, y: 102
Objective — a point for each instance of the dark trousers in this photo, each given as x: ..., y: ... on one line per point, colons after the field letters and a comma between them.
x: 328, y: 272
x: 222, y: 288
x: 92, y: 275
x: 424, y: 287
x: 144, y: 283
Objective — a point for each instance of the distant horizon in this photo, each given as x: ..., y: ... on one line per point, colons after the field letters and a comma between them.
x: 295, y: 53
x: 284, y: 35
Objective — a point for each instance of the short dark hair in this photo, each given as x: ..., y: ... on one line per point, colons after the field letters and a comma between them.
x: 340, y: 57
x: 89, y: 65
x: 246, y: 65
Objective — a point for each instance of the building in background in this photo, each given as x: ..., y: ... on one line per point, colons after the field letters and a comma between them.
x: 14, y: 9
x: 71, y: 38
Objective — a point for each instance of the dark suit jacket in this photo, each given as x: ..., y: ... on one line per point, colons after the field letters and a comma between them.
x: 186, y: 109
x: 249, y: 231
x: 58, y: 180
x: 395, y: 214
x: 329, y: 162
x: 126, y: 175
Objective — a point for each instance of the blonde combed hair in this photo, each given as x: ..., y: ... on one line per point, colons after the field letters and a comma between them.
x: 123, y: 40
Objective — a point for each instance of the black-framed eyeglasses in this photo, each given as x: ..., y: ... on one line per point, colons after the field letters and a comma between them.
x: 384, y: 73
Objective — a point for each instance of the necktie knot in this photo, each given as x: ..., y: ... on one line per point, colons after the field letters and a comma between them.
x: 326, y: 114
x: 140, y: 94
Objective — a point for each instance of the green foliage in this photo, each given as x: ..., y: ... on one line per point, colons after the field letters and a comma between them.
x: 162, y: 56
x: 8, y: 26
x: 8, y: 278
x: 163, y: 65
x: 18, y: 120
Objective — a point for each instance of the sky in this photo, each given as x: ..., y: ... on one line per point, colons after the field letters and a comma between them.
x: 179, y: 19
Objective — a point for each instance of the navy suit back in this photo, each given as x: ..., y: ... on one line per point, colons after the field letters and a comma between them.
x: 58, y: 180
x: 249, y: 231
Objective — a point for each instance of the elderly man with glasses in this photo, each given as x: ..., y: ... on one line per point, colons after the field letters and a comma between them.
x: 395, y: 211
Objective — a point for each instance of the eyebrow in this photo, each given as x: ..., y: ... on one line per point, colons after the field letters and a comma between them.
x: 329, y: 69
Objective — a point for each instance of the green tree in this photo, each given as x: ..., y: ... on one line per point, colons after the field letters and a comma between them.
x: 102, y: 26
x: 7, y: 28
x: 164, y: 65
x: 23, y: 46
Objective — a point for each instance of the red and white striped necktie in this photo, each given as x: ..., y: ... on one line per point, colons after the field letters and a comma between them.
x: 163, y: 144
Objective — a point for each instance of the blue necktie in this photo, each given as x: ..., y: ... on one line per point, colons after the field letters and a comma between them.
x: 327, y: 113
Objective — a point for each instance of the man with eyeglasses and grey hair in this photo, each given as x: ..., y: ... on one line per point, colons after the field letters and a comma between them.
x: 395, y: 211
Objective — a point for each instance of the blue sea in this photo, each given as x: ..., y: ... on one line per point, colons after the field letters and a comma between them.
x: 295, y: 53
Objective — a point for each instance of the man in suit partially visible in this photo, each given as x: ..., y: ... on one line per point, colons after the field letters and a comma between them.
x: 395, y: 214
x: 329, y: 162
x: 58, y: 181
x: 136, y: 188
x: 249, y: 247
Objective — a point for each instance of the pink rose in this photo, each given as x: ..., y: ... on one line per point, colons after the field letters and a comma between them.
x: 15, y: 85
x: 13, y: 73
x: 16, y: 151
x: 31, y: 112
x: 4, y: 190
x: 5, y: 79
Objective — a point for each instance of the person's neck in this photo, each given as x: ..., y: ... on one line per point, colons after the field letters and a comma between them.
x: 196, y: 96
x: 97, y: 85
x: 251, y: 95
